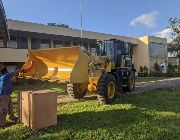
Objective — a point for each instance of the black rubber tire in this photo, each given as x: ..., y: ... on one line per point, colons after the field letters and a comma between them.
x: 74, y: 91
x: 102, y: 88
x: 131, y: 88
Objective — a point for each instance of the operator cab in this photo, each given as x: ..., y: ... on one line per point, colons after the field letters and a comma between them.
x: 118, y: 51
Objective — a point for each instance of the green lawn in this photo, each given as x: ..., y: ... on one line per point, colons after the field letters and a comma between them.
x: 37, y: 85
x: 151, y: 115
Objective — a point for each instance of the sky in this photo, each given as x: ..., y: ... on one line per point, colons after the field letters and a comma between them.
x: 132, y: 18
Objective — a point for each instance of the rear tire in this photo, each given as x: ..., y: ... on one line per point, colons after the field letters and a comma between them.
x: 75, y: 91
x: 131, y: 82
x: 106, y: 89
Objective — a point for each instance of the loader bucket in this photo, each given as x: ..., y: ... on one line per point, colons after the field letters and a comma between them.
x: 60, y: 64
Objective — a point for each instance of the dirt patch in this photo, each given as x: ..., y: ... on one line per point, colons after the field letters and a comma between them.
x: 67, y: 99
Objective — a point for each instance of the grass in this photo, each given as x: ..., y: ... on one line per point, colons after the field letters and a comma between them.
x: 36, y: 85
x: 151, y: 115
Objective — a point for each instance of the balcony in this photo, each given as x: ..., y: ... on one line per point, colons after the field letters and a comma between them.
x: 13, y: 55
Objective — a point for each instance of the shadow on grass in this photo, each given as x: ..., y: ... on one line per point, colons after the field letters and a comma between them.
x: 153, y: 115
x: 159, y: 100
x: 114, y: 124
x: 110, y: 124
x: 143, y: 119
x: 90, y: 97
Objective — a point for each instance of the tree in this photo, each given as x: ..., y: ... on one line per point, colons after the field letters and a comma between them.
x: 175, y: 27
x: 59, y: 25
x: 174, y: 46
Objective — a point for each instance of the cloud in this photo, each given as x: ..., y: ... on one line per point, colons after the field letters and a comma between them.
x: 147, y: 19
x: 166, y: 33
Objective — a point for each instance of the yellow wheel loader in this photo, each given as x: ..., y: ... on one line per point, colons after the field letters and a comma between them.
x: 107, y: 71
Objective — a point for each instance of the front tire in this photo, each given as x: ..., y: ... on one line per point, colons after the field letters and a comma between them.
x: 76, y: 91
x: 106, y: 89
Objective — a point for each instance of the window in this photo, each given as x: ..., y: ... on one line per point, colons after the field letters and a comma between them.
x: 22, y: 43
x: 157, y: 50
x: 85, y: 44
x: 67, y: 43
x: 128, y: 60
x: 13, y: 42
x: 103, y: 49
x: 57, y: 43
x: 45, y: 43
x: 23, y: 39
x: 76, y: 43
x: 13, y: 38
x: 93, y: 50
x: 35, y: 42
x: 127, y: 48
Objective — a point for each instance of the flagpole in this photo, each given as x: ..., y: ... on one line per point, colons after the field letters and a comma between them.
x: 81, y: 23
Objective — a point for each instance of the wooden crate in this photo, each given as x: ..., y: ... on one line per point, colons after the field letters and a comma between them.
x: 38, y: 109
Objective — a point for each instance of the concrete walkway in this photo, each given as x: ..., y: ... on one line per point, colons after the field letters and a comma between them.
x: 165, y: 83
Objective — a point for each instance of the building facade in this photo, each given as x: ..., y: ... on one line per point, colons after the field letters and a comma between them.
x: 25, y: 36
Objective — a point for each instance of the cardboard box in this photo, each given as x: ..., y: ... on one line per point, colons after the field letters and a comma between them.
x: 38, y: 109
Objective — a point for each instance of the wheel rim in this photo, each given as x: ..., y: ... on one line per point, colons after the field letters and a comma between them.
x: 111, y: 89
x: 131, y: 83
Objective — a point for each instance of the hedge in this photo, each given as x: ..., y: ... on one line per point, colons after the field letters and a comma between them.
x: 160, y: 74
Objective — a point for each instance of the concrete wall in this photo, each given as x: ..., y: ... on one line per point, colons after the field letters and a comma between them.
x: 41, y: 28
x: 13, y: 55
x: 141, y: 53
x: 157, y: 40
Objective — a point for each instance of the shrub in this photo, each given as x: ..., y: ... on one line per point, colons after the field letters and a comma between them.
x: 141, y: 69
x: 171, y: 68
x: 156, y: 67
x: 145, y: 70
x: 159, y: 74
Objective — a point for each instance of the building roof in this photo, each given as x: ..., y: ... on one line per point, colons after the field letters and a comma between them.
x: 45, y: 29
x: 4, y: 34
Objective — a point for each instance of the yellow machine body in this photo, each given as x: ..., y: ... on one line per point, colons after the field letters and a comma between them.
x: 60, y: 64
x: 103, y: 73
x: 67, y: 65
